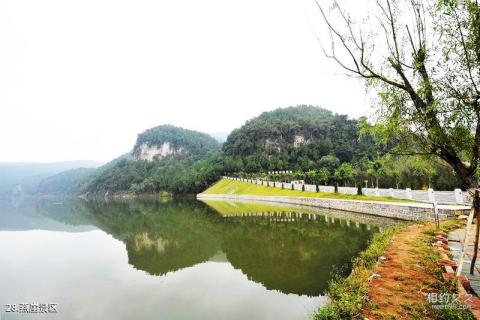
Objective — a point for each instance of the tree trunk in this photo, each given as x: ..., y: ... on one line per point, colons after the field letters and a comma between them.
x: 476, y: 205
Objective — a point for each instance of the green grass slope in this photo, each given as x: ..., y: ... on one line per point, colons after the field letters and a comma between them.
x: 226, y: 186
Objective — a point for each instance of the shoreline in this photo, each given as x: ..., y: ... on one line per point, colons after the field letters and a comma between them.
x: 396, y: 210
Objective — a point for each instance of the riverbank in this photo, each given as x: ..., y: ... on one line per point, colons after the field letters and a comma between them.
x: 399, y: 276
x: 226, y: 189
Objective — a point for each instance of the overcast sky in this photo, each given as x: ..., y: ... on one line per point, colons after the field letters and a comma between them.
x: 80, y: 79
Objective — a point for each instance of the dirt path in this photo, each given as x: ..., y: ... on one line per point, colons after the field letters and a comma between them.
x: 405, y: 279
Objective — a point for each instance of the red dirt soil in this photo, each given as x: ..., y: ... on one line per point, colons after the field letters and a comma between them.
x: 404, y: 282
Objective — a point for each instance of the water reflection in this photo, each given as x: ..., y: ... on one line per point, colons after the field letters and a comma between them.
x: 291, y: 257
x: 288, y: 250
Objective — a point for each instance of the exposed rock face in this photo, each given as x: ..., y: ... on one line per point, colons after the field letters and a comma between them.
x: 299, y: 140
x: 274, y: 145
x: 143, y: 241
x: 149, y: 153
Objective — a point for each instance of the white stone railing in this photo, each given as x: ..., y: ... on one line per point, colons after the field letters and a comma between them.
x: 447, y: 197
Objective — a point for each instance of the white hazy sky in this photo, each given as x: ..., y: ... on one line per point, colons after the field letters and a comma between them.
x: 80, y: 79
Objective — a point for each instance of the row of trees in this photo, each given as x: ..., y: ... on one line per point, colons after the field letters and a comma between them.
x: 384, y: 172
x: 185, y: 175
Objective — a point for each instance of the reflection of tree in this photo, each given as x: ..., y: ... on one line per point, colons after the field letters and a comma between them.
x: 296, y: 257
x: 291, y: 257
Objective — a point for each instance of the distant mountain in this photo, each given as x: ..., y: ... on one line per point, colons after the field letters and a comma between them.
x: 24, y: 178
x: 75, y: 180
x: 67, y: 182
x: 220, y: 136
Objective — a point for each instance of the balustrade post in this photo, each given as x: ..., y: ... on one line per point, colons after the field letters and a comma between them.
x: 431, y: 195
x: 458, y: 196
x: 409, y: 194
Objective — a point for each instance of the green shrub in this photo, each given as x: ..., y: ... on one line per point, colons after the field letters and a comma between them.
x: 327, y: 313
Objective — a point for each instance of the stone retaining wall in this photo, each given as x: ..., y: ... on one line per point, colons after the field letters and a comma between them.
x: 404, y: 211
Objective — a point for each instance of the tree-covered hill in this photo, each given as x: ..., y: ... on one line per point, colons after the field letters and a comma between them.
x: 166, y: 158
x: 179, y: 141
x: 295, y: 138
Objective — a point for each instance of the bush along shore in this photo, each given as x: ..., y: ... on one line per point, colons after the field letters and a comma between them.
x: 397, y: 277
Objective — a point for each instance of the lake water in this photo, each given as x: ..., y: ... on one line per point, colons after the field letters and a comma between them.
x: 172, y: 259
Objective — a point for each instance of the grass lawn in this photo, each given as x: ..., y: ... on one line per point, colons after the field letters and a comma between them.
x: 226, y: 186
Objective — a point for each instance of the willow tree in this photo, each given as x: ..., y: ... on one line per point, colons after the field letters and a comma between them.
x: 422, y: 58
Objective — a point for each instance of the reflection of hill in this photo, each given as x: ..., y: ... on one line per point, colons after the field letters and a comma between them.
x: 288, y: 256
x: 24, y: 215
x: 176, y: 237
x: 160, y: 237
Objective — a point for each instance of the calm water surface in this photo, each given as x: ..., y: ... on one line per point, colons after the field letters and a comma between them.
x: 172, y: 259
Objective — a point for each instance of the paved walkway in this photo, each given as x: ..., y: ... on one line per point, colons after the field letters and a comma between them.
x: 455, y: 242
